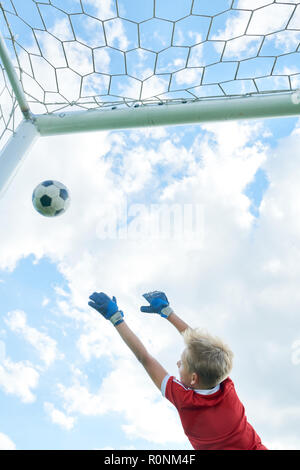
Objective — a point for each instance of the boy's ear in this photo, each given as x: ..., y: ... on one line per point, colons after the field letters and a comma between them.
x: 194, y: 378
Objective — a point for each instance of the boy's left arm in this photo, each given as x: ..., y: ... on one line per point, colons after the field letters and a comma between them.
x: 109, y: 310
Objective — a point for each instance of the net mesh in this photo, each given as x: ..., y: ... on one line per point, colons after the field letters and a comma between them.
x: 85, y: 54
x: 10, y: 114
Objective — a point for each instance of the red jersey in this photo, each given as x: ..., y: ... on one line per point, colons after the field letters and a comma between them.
x: 212, y: 422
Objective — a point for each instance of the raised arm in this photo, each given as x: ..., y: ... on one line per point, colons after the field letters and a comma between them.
x: 176, y: 321
x: 159, y: 304
x: 108, y: 308
x: 154, y: 369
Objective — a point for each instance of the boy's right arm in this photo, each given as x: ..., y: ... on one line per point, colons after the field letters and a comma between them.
x: 159, y: 304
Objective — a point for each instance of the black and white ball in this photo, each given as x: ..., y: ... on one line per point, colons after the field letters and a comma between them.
x: 51, y: 198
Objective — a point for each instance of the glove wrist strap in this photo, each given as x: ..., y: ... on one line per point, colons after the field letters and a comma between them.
x: 165, y: 312
x: 117, y: 318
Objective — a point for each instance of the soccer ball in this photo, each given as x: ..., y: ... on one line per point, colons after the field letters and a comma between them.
x: 50, y: 198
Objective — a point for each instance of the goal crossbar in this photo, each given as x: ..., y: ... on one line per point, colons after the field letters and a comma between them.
x: 234, y: 108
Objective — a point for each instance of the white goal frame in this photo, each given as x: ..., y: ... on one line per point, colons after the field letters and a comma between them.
x: 269, y: 105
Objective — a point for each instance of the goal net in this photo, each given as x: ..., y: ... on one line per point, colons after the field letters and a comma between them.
x: 80, y: 65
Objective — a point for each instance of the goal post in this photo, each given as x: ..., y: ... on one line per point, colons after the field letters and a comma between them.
x: 13, y: 78
x: 15, y: 151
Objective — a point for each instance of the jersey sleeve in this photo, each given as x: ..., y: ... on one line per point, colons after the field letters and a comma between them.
x: 174, y: 391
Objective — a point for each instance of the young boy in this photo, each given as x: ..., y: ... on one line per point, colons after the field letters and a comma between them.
x: 212, y: 416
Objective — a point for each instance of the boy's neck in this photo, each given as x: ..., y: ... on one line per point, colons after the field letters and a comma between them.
x: 200, y: 387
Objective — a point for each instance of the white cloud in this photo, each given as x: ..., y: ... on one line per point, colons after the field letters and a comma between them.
x: 44, y: 345
x: 18, y: 378
x: 2, y: 351
x: 252, y: 4
x: 79, y: 57
x: 93, y: 343
x: 116, y: 35
x: 126, y: 390
x: 295, y: 353
x: 285, y: 443
x: 295, y: 19
x: 51, y: 49
x: 6, y: 443
x: 235, y: 26
x: 241, y: 284
x: 45, y: 302
x: 58, y: 417
x: 269, y: 19
x: 105, y: 10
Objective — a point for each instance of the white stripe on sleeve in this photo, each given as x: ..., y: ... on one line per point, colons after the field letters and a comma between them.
x: 164, y: 384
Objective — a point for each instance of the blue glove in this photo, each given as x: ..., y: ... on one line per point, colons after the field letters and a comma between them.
x: 158, y: 304
x: 107, y: 307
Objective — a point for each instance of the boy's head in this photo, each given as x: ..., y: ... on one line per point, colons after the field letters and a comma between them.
x: 205, y: 361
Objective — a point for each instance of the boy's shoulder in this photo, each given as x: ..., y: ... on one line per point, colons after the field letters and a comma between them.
x: 176, y: 392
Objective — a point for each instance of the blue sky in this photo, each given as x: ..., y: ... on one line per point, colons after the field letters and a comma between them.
x: 66, y: 379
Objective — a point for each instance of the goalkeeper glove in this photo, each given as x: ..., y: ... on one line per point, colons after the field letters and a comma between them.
x: 158, y: 304
x: 107, y: 307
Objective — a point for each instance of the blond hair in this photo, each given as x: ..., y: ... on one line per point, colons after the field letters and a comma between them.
x: 207, y: 356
